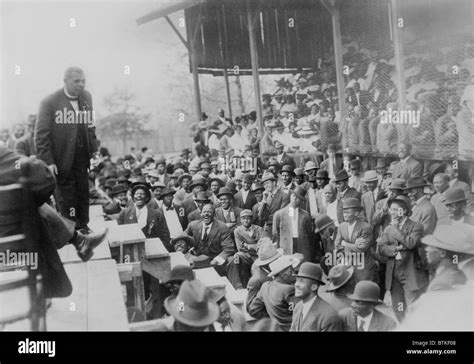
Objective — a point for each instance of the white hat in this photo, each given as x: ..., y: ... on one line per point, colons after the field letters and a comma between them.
x: 282, y: 263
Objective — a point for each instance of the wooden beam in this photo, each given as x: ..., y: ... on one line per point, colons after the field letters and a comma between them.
x: 254, y: 60
x: 177, y: 32
x: 227, y: 88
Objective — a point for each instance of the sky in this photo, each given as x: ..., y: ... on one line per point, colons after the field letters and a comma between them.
x: 39, y: 40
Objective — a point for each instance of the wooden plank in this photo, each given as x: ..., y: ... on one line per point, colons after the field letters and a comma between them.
x: 68, y: 253
x: 14, y: 302
x: 96, y: 212
x: 154, y: 248
x: 127, y: 271
x: 125, y: 234
x: 96, y: 303
x: 178, y: 258
x: 98, y: 225
x: 210, y: 278
x: 237, y: 297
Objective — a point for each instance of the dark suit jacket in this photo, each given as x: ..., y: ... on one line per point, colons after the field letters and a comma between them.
x: 219, y: 240
x: 194, y: 216
x: 409, y: 267
x: 56, y: 142
x: 25, y: 146
x: 239, y: 202
x: 425, y: 214
x: 286, y: 159
x: 280, y: 200
x: 412, y: 168
x: 379, y: 322
x: 447, y: 278
x: 348, y: 193
x: 189, y: 205
x: 233, y: 210
x: 155, y: 223
x: 337, y: 167
x: 282, y: 234
x: 320, y: 317
x: 39, y: 235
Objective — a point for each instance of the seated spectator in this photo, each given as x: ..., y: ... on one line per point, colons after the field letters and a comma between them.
x: 446, y: 134
x: 465, y: 125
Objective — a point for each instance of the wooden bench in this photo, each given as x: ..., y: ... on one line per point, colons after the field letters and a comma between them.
x: 96, y: 303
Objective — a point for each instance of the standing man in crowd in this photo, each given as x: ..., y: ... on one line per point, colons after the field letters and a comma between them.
x: 26, y: 144
x: 66, y: 143
x: 407, y: 167
x: 440, y: 184
x: 273, y: 200
x: 456, y: 204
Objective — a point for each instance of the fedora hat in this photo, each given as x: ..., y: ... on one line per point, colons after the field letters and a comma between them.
x: 181, y: 273
x: 247, y: 178
x: 267, y: 253
x: 160, y: 161
x: 201, y: 261
x: 322, y: 174
x: 282, y: 263
x: 225, y: 191
x: 370, y: 176
x: 322, y: 222
x: 404, y: 200
x: 140, y: 181
x: 298, y: 172
x: 397, y: 184
x: 366, y: 291
x: 158, y: 184
x: 186, y: 238
x: 110, y: 183
x: 287, y: 168
x: 112, y: 208
x: 192, y: 306
x: 310, y: 165
x: 415, y: 182
x: 118, y: 189
x: 299, y: 193
x: 167, y: 191
x: 267, y: 176
x: 202, y: 197
x: 381, y: 163
x: 231, y: 186
x: 257, y: 186
x: 183, y: 176
x: 311, y: 271
x: 351, y: 203
x: 218, y: 180
x: 454, y: 194
x: 338, y: 276
x: 244, y: 213
x: 198, y: 180
x: 341, y: 176
x: 458, y: 239
x: 153, y: 173
x: 124, y: 179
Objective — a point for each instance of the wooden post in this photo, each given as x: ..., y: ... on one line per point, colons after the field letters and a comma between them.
x: 227, y: 88
x: 254, y: 60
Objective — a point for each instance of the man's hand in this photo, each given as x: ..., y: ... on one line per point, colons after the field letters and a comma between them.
x: 54, y: 169
x: 217, y: 261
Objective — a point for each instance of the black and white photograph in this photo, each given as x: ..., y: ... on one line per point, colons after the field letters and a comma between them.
x: 239, y: 166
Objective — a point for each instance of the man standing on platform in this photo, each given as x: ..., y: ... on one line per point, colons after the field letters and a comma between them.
x: 407, y: 167
x: 65, y: 139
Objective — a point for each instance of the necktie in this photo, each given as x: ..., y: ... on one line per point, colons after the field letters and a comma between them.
x: 206, y: 233
x: 361, y: 325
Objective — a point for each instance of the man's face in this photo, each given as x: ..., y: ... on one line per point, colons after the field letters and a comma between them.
x: 434, y: 255
x: 19, y: 131
x: 288, y: 275
x: 350, y: 215
x: 329, y: 195
x: 327, y: 233
x: 415, y: 194
x: 258, y: 195
x: 152, y: 179
x: 440, y: 185
x: 246, y: 185
x: 456, y: 210
x: 246, y: 221
x: 331, y: 154
x: 294, y: 201
x: 269, y: 185
x: 181, y: 246
x: 402, y: 151
x: 381, y: 171
x: 75, y: 84
x: 185, y: 183
x: 224, y: 316
x: 205, y: 172
x: 207, y: 214
x: 392, y: 193
x: 139, y: 197
x: 341, y: 185
x: 397, y: 211
x: 168, y: 200
x: 157, y: 192
x: 160, y: 168
x: 371, y: 186
x: 286, y: 177
x: 197, y: 189
x: 279, y: 147
x: 4, y: 134
x: 299, y: 180
x: 450, y: 171
x: 303, y: 287
x: 215, y: 187
x: 122, y: 197
x: 321, y: 182
x: 225, y: 201
x: 362, y: 308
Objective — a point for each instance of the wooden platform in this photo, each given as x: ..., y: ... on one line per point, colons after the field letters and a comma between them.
x: 96, y: 303
x: 125, y: 234
x: 68, y: 253
x: 210, y: 278
x: 154, y: 248
x: 95, y: 212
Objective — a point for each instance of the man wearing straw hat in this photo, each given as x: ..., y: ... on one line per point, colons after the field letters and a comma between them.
x: 341, y: 283
x: 362, y: 315
x: 312, y: 313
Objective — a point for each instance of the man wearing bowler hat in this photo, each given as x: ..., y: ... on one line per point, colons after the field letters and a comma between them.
x: 246, y: 237
x: 299, y: 176
x: 332, y: 164
x: 406, y: 275
x: 422, y: 209
x: 227, y: 212
x: 312, y: 313
x: 201, y: 199
x: 175, y: 215
x: 275, y: 299
x: 355, y: 240
x: 292, y: 228
x: 182, y: 192
x: 341, y: 283
x: 362, y: 315
x: 245, y: 198
x: 371, y: 196
x: 343, y: 190
x: 198, y: 184
x: 456, y: 204
x: 287, y: 178
x: 273, y: 200
x: 258, y: 209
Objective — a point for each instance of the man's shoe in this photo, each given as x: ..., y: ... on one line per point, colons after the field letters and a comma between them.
x: 85, y: 249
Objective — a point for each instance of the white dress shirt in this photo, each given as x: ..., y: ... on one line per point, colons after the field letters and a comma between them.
x: 294, y: 221
x: 74, y: 103
x: 307, y: 306
x: 350, y: 228
x: 244, y: 195
x: 172, y: 220
x: 313, y: 207
x: 142, y: 216
x: 366, y: 321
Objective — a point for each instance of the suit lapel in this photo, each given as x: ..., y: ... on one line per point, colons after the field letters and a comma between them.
x: 132, y: 215
x: 213, y: 232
